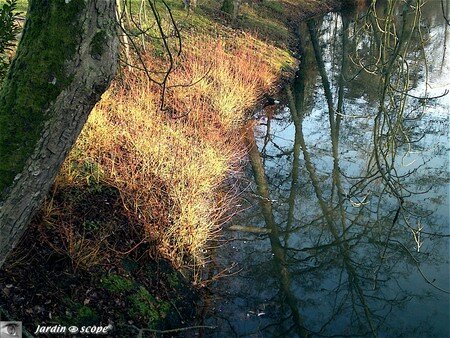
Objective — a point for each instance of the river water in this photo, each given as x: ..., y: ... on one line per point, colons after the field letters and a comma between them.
x: 345, y: 225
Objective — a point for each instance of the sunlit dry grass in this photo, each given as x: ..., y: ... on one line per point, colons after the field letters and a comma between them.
x: 170, y: 165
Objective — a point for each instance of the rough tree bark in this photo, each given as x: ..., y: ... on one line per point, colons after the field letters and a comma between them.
x: 65, y: 60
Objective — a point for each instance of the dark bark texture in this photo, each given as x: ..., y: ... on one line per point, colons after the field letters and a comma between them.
x: 66, y: 59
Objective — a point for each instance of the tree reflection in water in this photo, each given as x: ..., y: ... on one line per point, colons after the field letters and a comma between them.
x: 351, y: 181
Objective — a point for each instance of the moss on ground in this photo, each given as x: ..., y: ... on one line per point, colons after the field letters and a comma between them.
x: 174, y: 280
x: 116, y: 284
x: 77, y: 314
x: 143, y: 304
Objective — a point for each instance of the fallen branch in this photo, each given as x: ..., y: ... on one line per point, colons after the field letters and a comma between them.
x: 252, y: 229
x: 181, y: 329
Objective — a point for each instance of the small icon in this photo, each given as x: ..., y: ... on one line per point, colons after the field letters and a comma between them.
x: 72, y: 329
x: 10, y: 329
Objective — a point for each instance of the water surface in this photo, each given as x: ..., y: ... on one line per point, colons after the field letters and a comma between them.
x: 349, y: 181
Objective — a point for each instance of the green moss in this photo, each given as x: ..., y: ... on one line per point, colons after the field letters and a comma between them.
x: 164, y: 309
x: 145, y: 306
x: 36, y: 77
x: 116, y: 283
x: 86, y: 316
x: 174, y: 280
x: 78, y: 314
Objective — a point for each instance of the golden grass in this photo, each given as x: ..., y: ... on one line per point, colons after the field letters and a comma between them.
x: 169, y: 171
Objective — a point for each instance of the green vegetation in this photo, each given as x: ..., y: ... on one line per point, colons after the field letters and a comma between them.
x: 23, y: 108
x: 141, y: 303
x: 116, y: 283
x: 273, y: 5
x: 84, y: 315
x: 227, y: 6
x: 22, y: 6
x: 145, y: 305
x: 9, y: 29
x: 174, y: 280
x: 78, y: 314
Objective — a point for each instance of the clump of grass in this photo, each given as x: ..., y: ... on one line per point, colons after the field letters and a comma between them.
x: 170, y: 165
x: 70, y: 227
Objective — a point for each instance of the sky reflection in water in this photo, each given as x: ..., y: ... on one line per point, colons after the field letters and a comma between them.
x: 351, y: 178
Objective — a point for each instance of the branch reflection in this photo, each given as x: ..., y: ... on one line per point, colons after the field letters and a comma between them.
x: 351, y: 181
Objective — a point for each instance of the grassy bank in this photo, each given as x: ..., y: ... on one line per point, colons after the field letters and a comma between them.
x: 145, y: 184
x: 169, y: 165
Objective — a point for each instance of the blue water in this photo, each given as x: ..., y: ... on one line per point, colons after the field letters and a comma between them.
x: 365, y: 246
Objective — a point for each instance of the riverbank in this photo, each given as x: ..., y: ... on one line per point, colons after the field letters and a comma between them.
x: 144, y: 191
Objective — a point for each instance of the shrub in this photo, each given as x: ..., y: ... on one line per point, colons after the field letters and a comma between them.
x: 169, y: 166
x: 9, y: 29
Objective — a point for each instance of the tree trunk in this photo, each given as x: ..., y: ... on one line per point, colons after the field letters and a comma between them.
x: 65, y: 60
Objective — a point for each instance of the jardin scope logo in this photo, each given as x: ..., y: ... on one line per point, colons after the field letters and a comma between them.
x: 10, y: 329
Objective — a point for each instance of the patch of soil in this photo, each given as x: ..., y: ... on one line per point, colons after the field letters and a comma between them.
x: 81, y: 262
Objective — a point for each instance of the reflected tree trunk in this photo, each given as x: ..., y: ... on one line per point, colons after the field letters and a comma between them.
x: 297, y: 97
x: 326, y: 208
x: 340, y: 110
x: 274, y: 235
